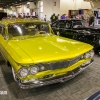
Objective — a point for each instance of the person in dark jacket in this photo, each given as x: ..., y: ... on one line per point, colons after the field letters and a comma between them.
x: 58, y: 17
x: 45, y: 19
x: 91, y: 20
x: 53, y: 18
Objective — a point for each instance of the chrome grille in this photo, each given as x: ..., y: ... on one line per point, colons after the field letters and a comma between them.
x: 57, y: 65
x: 61, y: 64
x: 73, y: 61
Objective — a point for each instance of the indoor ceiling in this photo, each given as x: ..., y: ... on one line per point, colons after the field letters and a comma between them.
x: 8, y: 3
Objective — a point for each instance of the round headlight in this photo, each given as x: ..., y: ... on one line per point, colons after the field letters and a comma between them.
x: 34, y: 69
x: 23, y: 72
x: 87, y: 55
x: 92, y: 53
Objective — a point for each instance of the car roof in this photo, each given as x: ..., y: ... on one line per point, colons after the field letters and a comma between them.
x: 9, y: 21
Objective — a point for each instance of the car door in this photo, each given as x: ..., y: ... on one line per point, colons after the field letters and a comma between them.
x: 3, y: 41
x: 67, y: 31
x: 54, y: 27
x: 65, y: 28
x: 77, y: 25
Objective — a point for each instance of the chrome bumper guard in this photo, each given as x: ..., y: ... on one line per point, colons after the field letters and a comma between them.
x: 58, y: 79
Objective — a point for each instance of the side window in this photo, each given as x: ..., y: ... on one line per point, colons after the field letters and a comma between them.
x: 62, y: 24
x: 67, y: 25
x: 2, y: 30
x: 54, y: 24
x: 77, y: 24
x: 44, y: 27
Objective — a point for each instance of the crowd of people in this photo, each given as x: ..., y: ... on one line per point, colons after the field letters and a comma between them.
x: 90, y: 19
x: 63, y: 16
x: 54, y: 17
x: 57, y: 17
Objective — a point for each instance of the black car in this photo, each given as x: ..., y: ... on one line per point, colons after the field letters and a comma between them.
x: 78, y: 30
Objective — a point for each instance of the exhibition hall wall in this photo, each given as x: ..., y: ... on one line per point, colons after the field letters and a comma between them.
x: 48, y: 7
x: 66, y: 5
x: 62, y: 6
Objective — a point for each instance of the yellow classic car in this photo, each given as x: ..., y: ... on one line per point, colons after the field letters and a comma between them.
x: 37, y: 57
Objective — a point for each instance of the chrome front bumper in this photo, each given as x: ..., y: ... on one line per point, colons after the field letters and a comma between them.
x: 58, y: 79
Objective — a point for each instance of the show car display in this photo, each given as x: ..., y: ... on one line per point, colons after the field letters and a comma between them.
x: 78, y: 30
x: 37, y: 57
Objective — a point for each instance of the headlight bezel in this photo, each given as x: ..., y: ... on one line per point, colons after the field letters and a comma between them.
x: 34, y: 66
x: 89, y: 54
x: 28, y: 68
x: 19, y: 72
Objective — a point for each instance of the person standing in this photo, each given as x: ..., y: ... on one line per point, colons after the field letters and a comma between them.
x: 45, y: 18
x: 91, y: 20
x: 58, y: 17
x: 63, y: 16
x: 53, y: 18
x: 82, y: 17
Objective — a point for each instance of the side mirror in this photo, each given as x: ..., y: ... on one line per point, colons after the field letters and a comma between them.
x: 58, y: 33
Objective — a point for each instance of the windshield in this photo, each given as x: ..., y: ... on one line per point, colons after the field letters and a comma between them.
x: 23, y: 29
x: 76, y: 24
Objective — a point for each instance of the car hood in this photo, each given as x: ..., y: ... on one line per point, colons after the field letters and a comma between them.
x: 49, y: 48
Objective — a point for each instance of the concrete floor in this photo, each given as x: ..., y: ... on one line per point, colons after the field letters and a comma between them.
x: 78, y: 88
